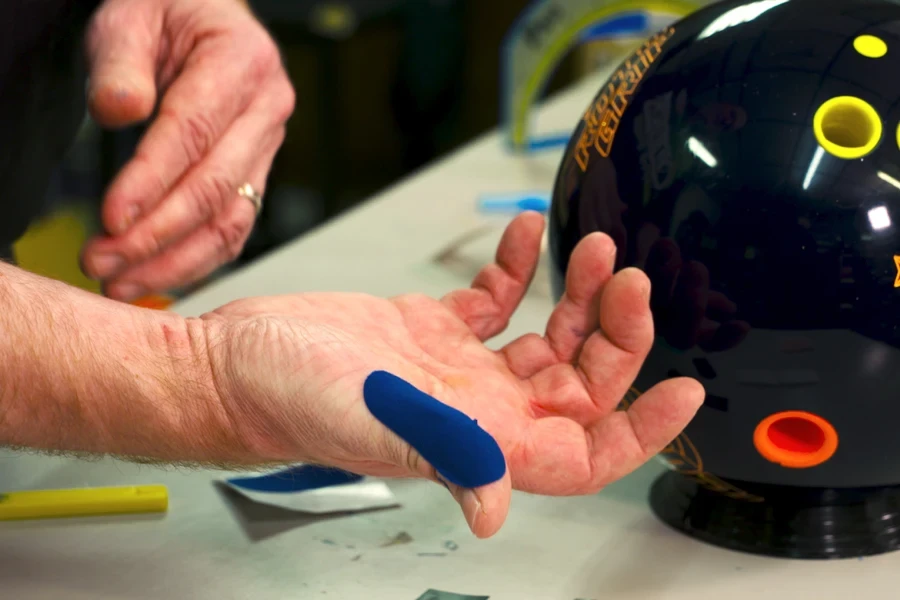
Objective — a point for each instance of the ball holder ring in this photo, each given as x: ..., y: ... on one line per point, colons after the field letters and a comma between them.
x: 249, y: 192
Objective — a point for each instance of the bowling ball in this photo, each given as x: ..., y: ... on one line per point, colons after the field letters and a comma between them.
x: 747, y: 159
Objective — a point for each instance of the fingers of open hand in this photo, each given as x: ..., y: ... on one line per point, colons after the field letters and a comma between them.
x: 577, y: 315
x: 528, y: 355
x: 497, y: 290
x: 625, y: 440
x: 613, y: 354
x: 564, y: 458
x: 609, y: 360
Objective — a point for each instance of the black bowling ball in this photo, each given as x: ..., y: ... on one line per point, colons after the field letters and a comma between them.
x: 748, y: 160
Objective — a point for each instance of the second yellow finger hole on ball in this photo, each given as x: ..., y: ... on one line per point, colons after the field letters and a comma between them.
x: 870, y: 46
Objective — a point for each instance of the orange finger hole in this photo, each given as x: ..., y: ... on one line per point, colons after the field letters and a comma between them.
x: 795, y: 439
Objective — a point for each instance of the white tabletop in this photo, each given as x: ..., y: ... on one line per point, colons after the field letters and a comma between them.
x: 212, y: 546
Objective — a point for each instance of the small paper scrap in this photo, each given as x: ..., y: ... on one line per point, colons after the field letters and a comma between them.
x: 440, y: 595
x: 313, y: 489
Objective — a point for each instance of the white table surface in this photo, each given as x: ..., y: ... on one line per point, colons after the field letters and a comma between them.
x: 209, y: 546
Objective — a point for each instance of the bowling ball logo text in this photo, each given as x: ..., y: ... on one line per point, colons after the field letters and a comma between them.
x: 602, y: 118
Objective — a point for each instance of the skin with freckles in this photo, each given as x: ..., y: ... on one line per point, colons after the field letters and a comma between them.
x: 549, y: 400
x: 210, y: 81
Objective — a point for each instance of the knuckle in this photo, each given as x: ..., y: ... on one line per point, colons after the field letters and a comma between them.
x: 198, y: 134
x: 287, y: 102
x: 209, y: 193
x: 265, y: 57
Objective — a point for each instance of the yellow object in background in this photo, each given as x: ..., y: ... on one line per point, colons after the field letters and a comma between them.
x: 86, y: 502
x: 51, y: 247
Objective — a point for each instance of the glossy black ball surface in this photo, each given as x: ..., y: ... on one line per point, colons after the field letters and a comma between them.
x: 747, y: 159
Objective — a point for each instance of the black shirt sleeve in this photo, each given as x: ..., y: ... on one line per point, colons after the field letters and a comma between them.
x: 42, y: 101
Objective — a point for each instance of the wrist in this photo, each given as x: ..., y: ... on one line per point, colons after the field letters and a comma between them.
x: 86, y: 374
x: 260, y: 428
x: 198, y: 425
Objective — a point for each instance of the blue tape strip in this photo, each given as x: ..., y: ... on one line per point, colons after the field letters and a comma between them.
x: 514, y: 203
x: 461, y: 451
x: 296, y: 479
x: 624, y: 25
x: 549, y: 142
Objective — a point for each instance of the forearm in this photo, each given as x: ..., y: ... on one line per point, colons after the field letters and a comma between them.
x: 81, y: 373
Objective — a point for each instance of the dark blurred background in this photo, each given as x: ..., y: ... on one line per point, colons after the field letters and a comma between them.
x: 383, y: 88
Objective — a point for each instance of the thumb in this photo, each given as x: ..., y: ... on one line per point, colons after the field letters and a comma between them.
x: 486, y: 507
x: 446, y: 446
x: 123, y: 44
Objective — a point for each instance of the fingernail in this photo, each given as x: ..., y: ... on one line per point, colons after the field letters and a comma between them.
x: 121, y: 84
x: 105, y: 265
x: 127, y: 292
x: 468, y: 501
x: 471, y: 507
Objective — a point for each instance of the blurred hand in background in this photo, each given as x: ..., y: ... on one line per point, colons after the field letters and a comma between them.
x: 210, y: 79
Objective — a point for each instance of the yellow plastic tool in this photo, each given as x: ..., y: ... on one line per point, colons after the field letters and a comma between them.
x: 86, y: 502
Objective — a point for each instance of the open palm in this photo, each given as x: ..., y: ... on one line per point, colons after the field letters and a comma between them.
x: 293, y: 368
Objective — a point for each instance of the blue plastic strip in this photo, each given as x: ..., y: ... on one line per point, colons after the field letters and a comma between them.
x: 296, y: 479
x: 515, y: 202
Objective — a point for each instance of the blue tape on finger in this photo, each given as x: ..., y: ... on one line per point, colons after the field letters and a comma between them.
x: 461, y: 451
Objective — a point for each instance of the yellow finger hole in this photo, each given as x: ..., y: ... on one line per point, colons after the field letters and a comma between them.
x: 847, y: 127
x: 870, y: 46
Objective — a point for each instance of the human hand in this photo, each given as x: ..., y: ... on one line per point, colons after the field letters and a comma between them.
x: 212, y: 78
x: 291, y: 371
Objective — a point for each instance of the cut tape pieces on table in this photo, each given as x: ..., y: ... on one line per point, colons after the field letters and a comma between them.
x: 316, y: 490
